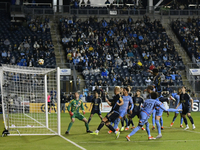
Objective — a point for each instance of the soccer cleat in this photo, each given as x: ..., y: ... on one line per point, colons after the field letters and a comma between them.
x: 67, y: 132
x: 133, y: 127
x: 117, y: 134
x: 181, y: 126
x: 88, y: 131
x: 159, y: 136
x: 127, y: 128
x: 173, y: 99
x: 122, y: 129
x: 143, y: 129
x: 162, y: 128
x: 95, y: 133
x: 171, y: 124
x: 193, y: 127
x: 151, y: 138
x: 117, y: 129
x: 128, y: 138
x: 153, y: 128
x: 187, y: 127
x: 109, y: 132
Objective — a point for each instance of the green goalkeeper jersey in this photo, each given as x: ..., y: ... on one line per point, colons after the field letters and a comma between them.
x: 75, y: 105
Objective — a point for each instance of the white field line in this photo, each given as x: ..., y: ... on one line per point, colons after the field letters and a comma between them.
x: 72, y: 142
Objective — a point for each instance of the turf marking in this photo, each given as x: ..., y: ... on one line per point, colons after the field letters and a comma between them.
x: 72, y: 142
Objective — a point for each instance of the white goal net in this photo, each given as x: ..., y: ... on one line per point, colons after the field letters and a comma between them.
x: 30, y: 100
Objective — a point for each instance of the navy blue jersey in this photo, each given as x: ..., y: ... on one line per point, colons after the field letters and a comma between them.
x: 116, y: 98
x: 96, y: 103
x: 185, y: 99
x: 137, y: 101
x: 157, y: 83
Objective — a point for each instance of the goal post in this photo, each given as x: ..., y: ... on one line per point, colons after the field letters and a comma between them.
x: 30, y: 100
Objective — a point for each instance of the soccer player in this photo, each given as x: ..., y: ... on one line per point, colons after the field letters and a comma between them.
x: 137, y: 101
x: 177, y: 97
x: 113, y: 114
x: 123, y: 109
x: 95, y: 105
x: 146, y: 111
x: 73, y: 109
x: 185, y: 101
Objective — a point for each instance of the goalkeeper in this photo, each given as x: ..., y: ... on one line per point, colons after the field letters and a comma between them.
x: 73, y: 108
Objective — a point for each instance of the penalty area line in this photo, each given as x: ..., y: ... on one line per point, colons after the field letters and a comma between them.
x: 72, y: 142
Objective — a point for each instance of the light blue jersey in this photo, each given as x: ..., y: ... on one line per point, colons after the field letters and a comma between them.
x: 150, y: 104
x: 177, y: 97
x: 127, y: 100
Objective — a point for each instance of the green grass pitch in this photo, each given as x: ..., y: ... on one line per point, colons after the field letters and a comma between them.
x: 174, y: 138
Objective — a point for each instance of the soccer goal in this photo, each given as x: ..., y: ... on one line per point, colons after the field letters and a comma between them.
x: 30, y: 100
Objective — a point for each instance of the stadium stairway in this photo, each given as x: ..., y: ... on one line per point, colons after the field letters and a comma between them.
x: 180, y: 51
x: 56, y: 39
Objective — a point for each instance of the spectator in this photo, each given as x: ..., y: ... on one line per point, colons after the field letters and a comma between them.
x: 151, y: 66
x: 104, y: 73
x: 173, y: 76
x: 89, y: 97
x: 169, y: 89
x: 83, y: 3
x: 148, y: 81
x: 6, y: 42
x: 36, y: 45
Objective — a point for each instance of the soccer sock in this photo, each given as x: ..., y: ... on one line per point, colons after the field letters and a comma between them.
x: 130, y: 122
x: 153, y: 119
x: 147, y: 129
x: 161, y: 121
x: 122, y: 122
x: 116, y: 123
x: 174, y: 119
x: 87, y: 126
x: 185, y: 121
x: 100, y: 126
x: 181, y: 120
x: 126, y: 120
x: 111, y: 128
x: 135, y: 130
x: 158, y: 126
x: 70, y: 125
x: 191, y: 120
x: 89, y: 120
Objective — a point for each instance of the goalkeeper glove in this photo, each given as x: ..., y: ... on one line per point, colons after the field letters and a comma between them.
x: 83, y: 112
x: 71, y: 113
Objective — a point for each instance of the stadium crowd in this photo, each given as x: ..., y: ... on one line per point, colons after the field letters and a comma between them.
x: 25, y: 43
x: 188, y: 34
x: 120, y: 52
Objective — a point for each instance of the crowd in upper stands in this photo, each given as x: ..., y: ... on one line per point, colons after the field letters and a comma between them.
x: 119, y: 51
x: 188, y: 34
x: 27, y: 42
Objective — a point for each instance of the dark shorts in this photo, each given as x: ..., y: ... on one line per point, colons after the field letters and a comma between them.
x: 112, y: 116
x: 186, y: 109
x: 135, y: 114
x: 96, y: 112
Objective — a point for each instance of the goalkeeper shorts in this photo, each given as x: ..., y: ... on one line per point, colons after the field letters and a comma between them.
x: 78, y: 115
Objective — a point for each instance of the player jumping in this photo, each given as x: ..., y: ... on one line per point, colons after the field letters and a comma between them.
x: 73, y: 109
x: 95, y: 105
x: 113, y: 114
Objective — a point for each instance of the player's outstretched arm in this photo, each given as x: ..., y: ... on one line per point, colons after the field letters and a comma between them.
x: 121, y: 102
x: 109, y: 103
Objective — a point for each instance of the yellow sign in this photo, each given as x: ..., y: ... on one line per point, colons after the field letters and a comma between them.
x: 40, y: 107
